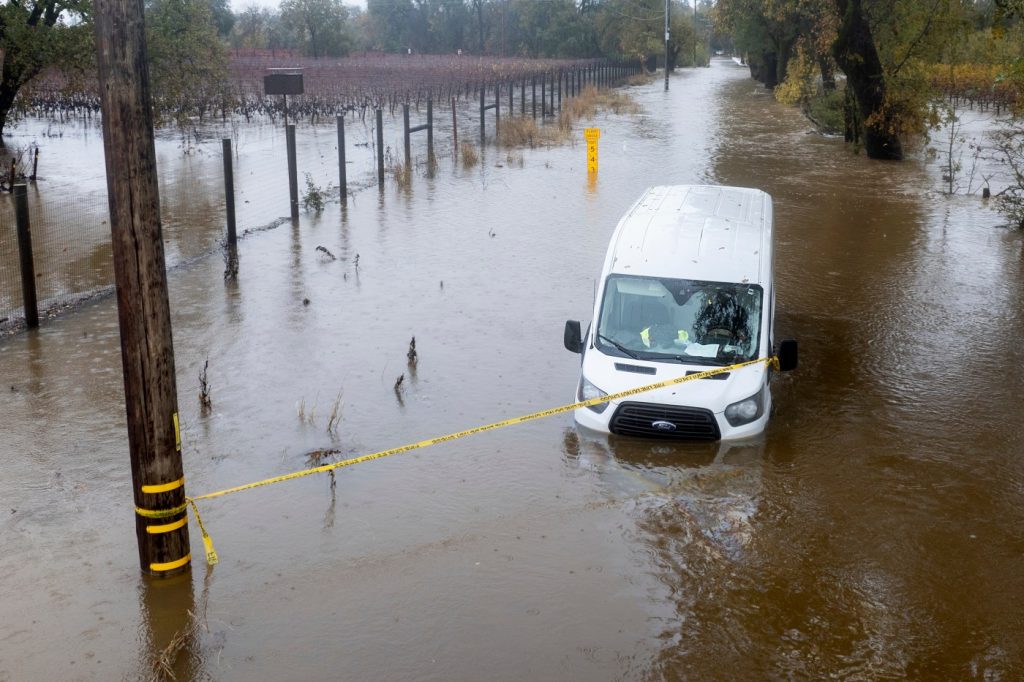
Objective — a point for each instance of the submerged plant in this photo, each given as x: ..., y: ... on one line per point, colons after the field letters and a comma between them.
x: 335, y: 418
x: 412, y: 355
x: 204, y: 388
x: 315, y: 196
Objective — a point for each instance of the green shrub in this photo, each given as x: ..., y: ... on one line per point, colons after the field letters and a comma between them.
x: 826, y: 111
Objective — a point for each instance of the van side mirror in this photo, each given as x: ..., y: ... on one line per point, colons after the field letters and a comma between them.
x: 787, y: 355
x: 573, y: 339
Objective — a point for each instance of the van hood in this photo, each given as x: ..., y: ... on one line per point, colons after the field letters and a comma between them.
x: 613, y: 374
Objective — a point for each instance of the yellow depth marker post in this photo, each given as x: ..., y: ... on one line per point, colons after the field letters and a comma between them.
x: 211, y: 555
x: 591, y: 135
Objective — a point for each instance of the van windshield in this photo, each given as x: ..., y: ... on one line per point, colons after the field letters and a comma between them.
x: 680, y: 320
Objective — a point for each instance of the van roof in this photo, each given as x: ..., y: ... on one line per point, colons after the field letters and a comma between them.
x: 699, y: 232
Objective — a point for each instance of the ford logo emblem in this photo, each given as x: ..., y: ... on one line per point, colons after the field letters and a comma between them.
x: 663, y: 425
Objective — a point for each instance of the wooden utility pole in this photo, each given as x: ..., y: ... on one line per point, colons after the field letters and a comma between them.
x: 147, y: 353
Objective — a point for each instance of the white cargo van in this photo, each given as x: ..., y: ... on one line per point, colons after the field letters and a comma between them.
x: 686, y: 287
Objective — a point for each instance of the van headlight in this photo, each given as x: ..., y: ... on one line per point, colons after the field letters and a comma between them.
x: 589, y: 391
x: 745, y: 411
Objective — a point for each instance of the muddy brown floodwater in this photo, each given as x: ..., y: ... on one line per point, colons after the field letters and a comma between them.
x: 875, y: 531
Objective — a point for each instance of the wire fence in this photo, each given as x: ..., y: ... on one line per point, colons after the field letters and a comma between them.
x: 70, y: 237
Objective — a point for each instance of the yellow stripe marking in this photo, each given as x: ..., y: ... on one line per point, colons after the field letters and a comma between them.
x: 177, y: 433
x: 171, y: 565
x: 167, y: 527
x: 164, y: 487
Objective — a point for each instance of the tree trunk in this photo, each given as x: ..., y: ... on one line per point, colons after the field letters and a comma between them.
x: 769, y: 69
x: 14, y: 76
x: 784, y: 54
x: 828, y: 76
x: 855, y: 52
x: 851, y: 119
x: 6, y: 102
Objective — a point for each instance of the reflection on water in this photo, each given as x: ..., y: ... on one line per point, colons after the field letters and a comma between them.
x: 171, y: 625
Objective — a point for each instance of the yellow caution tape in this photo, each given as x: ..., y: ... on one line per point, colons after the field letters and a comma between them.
x: 480, y: 429
x: 161, y: 513
x: 211, y: 555
x: 164, y: 487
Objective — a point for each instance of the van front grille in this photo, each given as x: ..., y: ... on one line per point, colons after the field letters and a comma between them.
x: 651, y: 420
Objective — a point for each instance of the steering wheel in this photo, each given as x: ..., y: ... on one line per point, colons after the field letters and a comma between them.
x: 720, y: 335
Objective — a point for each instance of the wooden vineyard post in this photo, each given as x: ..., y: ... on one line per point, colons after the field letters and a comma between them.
x: 405, y: 136
x: 28, y: 270
x: 455, y: 128
x: 147, y: 353
x: 293, y: 171
x: 430, y: 130
x: 380, y: 148
x: 342, y: 177
x: 229, y: 192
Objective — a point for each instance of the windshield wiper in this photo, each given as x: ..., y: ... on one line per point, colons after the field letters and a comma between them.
x: 619, y: 346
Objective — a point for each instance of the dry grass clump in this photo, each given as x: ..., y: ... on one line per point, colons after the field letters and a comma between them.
x: 402, y: 175
x: 619, y: 102
x: 583, y: 105
x: 591, y: 100
x: 524, y: 131
x: 640, y: 79
x: 469, y: 155
x: 518, y: 132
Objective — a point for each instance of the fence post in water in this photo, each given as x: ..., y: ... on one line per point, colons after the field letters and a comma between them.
x: 229, y: 193
x: 342, y: 177
x: 455, y: 128
x: 293, y: 171
x: 522, y: 97
x: 511, y: 103
x: 28, y: 271
x: 380, y: 147
x: 483, y: 130
x: 405, y: 136
x: 561, y: 75
x: 533, y: 94
x: 497, y: 108
x: 144, y: 312
x: 551, y: 97
x: 35, y: 164
x: 430, y: 130
x: 543, y: 95
x: 10, y: 179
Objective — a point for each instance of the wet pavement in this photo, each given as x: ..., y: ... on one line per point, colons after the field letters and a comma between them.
x: 874, y: 531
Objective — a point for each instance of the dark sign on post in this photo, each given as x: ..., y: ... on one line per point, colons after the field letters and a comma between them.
x: 282, y: 84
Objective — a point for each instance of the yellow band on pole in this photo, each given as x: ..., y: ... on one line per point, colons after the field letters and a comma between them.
x: 177, y: 433
x: 164, y: 487
x: 171, y: 565
x: 167, y: 527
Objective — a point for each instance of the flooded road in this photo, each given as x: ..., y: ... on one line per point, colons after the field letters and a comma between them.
x: 875, y: 531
